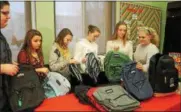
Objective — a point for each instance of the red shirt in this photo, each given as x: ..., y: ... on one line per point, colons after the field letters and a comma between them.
x: 23, y: 58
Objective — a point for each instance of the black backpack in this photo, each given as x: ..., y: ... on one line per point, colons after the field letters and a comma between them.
x: 93, y: 68
x: 25, y: 90
x: 163, y: 76
x: 75, y: 73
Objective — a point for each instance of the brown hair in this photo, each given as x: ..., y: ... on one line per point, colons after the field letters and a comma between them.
x: 27, y: 44
x: 3, y: 3
x: 62, y: 34
x: 92, y: 29
x: 154, y: 36
x: 114, y: 36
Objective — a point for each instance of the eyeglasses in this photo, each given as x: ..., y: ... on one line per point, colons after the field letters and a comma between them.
x: 5, y: 13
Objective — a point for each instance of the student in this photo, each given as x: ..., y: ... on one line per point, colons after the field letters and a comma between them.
x: 31, y: 52
x: 119, y: 42
x: 147, y: 47
x: 60, y: 56
x: 87, y: 45
x: 7, y: 68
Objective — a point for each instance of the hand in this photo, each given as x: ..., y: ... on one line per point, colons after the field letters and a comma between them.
x: 139, y: 66
x: 43, y: 70
x: 15, y: 63
x: 9, y: 69
x: 84, y: 60
x: 116, y: 48
x: 73, y: 61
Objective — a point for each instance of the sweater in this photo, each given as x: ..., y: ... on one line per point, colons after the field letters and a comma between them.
x: 144, y: 53
x: 58, y: 62
x: 127, y: 49
x: 82, y: 48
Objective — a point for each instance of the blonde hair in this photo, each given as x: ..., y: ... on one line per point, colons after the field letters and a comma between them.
x: 114, y: 36
x: 154, y: 36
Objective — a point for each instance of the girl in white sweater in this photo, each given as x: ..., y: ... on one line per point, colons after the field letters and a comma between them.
x: 147, y: 47
x: 87, y: 45
x: 119, y: 40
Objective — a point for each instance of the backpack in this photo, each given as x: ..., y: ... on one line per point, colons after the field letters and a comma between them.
x: 135, y: 82
x: 75, y: 73
x: 25, y: 90
x: 92, y: 66
x: 115, y: 98
x: 56, y: 85
x: 163, y: 75
x: 113, y: 64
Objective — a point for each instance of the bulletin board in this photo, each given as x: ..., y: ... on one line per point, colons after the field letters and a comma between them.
x: 136, y: 14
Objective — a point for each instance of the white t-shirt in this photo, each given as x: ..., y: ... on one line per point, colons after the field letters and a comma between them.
x: 82, y: 48
x: 144, y: 53
x: 127, y: 49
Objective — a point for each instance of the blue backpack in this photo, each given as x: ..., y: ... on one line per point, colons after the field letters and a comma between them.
x: 56, y: 85
x: 135, y: 82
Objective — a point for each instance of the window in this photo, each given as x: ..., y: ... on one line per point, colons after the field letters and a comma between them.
x: 17, y: 26
x: 78, y: 15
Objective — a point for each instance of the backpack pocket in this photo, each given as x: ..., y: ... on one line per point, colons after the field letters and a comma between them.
x: 114, y: 72
x: 168, y: 81
x: 26, y: 97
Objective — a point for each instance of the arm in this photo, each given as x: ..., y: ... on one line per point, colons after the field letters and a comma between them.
x: 150, y: 53
x: 23, y: 58
x: 78, y: 55
x: 108, y: 46
x: 54, y: 60
x: 130, y: 50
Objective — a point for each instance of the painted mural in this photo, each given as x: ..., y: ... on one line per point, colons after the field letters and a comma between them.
x: 137, y: 15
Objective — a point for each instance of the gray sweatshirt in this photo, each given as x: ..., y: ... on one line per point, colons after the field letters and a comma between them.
x: 144, y: 53
x: 58, y: 63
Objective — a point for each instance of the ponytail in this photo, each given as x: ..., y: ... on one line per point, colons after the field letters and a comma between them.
x: 154, y: 37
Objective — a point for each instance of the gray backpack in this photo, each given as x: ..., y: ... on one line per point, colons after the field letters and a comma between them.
x: 115, y: 98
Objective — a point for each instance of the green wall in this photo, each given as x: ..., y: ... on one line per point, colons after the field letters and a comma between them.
x: 45, y: 24
x: 162, y: 6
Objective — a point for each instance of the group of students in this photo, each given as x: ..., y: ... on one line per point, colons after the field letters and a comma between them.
x: 60, y: 56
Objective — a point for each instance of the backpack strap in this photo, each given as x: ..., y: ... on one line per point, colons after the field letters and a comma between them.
x: 75, y: 72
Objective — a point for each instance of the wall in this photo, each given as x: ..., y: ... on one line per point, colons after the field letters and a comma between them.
x: 162, y: 6
x: 45, y: 24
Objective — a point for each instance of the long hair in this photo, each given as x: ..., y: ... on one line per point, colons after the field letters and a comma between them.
x: 115, y: 36
x: 62, y: 34
x: 3, y: 3
x: 154, y: 36
x: 27, y: 46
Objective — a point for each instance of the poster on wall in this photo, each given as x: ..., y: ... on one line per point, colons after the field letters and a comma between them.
x: 177, y: 58
x: 137, y: 15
